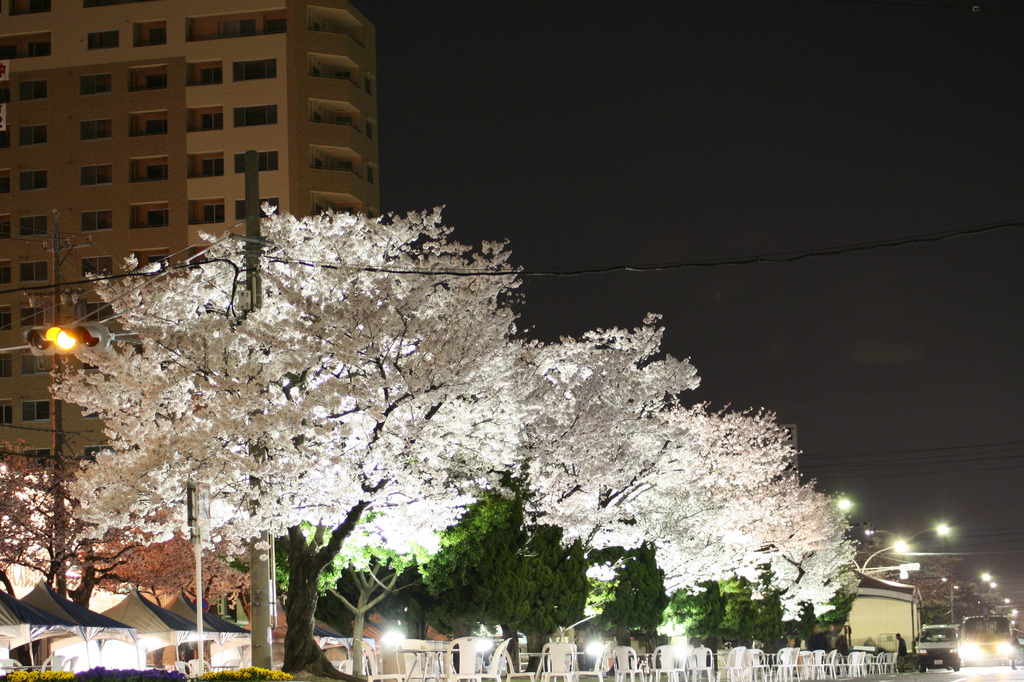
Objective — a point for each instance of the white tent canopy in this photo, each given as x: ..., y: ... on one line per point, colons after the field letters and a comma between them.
x: 21, y: 623
x: 89, y: 625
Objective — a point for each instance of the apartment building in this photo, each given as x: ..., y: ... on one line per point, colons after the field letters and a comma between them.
x: 126, y: 125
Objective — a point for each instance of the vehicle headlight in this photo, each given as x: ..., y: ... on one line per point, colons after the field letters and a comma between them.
x: 970, y: 651
x: 922, y: 651
x: 1004, y: 649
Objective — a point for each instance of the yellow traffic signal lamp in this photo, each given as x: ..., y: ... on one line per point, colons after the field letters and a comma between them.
x: 67, y: 339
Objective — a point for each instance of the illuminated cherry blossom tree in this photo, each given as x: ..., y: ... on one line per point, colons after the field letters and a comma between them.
x: 384, y: 372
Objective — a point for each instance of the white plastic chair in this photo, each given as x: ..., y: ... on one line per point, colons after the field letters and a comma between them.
x: 888, y: 666
x: 788, y: 664
x: 626, y: 662
x: 499, y: 662
x: 69, y: 664
x: 181, y: 667
x: 700, y: 662
x: 8, y: 665
x: 469, y: 667
x: 558, y: 662
x: 757, y: 665
x: 600, y: 666
x: 664, y: 664
x: 818, y: 664
x: 856, y: 665
x: 833, y: 662
x: 372, y: 671
x: 735, y: 664
x: 196, y: 667
x: 54, y: 662
x: 512, y: 674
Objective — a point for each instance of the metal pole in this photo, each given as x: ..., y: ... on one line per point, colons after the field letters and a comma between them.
x: 200, y: 652
x: 261, y: 602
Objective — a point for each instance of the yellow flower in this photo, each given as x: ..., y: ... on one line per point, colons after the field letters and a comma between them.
x: 244, y: 675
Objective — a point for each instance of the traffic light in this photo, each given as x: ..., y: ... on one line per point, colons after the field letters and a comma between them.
x: 68, y: 338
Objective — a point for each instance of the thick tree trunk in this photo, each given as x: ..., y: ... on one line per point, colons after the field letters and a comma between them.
x: 307, y: 558
x: 509, y: 632
x: 534, y: 643
x: 300, y: 648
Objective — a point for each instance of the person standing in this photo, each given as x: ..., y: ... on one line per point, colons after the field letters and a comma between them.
x: 818, y: 640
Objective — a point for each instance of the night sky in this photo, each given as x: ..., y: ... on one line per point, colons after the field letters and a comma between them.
x: 599, y: 134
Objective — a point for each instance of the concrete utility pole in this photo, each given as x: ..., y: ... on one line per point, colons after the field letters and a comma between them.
x: 57, y: 368
x: 262, y: 602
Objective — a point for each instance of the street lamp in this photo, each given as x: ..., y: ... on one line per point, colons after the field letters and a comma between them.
x: 901, y: 546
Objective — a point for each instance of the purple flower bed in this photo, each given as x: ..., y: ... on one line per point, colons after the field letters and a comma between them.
x: 105, y: 675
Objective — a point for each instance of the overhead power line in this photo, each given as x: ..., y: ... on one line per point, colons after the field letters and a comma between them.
x: 783, y: 257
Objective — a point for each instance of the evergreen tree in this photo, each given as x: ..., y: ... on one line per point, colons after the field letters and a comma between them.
x: 635, y: 599
x: 699, y: 614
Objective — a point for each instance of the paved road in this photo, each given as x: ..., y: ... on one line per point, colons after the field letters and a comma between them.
x: 966, y: 674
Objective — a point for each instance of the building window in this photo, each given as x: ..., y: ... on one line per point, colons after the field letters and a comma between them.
x: 369, y: 130
x: 29, y: 135
x: 150, y: 215
x: 32, y: 179
x: 97, y: 175
x: 97, y: 265
x: 34, y: 270
x: 31, y: 316
x: 5, y: 181
x: 152, y: 168
x: 149, y: 123
x: 5, y: 318
x: 34, y: 364
x: 368, y: 85
x: 38, y: 48
x: 150, y: 256
x: 332, y: 158
x: 240, y: 207
x: 30, y: 90
x: 96, y: 129
x: 148, y: 78
x: 5, y: 139
x: 369, y: 174
x: 93, y: 451
x: 5, y: 229
x: 235, y: 25
x: 204, y: 211
x: 255, y: 116
x: 255, y: 69
x: 241, y: 27
x: 206, y: 165
x: 267, y: 161
x: 95, y: 84
x: 5, y: 94
x: 29, y: 6
x: 207, y: 118
x: 101, y: 40
x: 205, y: 73
x: 5, y: 365
x: 150, y: 33
x: 95, y: 310
x: 6, y: 414
x: 97, y: 220
x: 32, y: 226
x: 35, y: 411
